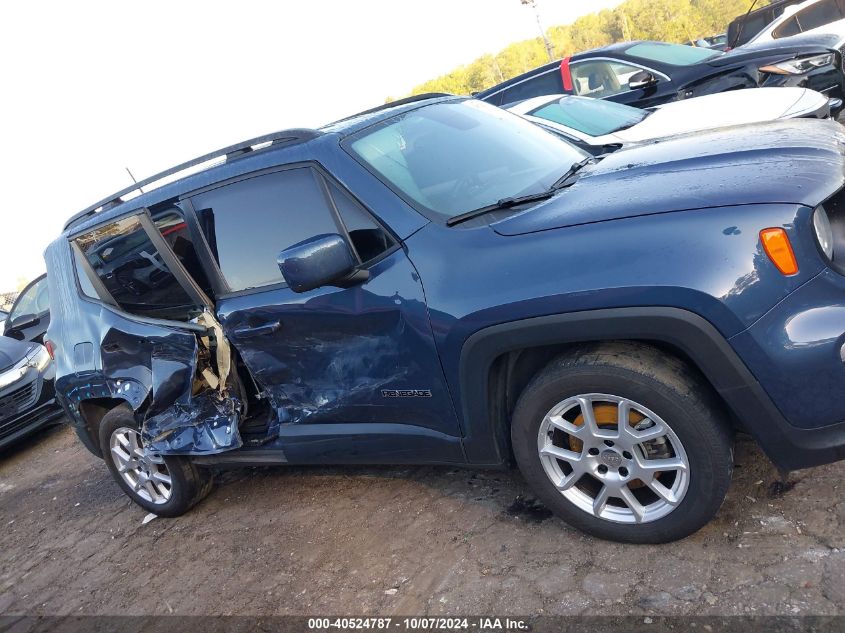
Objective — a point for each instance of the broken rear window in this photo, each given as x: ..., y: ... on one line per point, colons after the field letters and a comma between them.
x: 133, y: 272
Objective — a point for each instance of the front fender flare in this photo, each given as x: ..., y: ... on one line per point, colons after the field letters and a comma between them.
x: 684, y: 331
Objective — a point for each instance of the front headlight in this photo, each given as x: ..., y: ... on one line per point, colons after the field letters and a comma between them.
x: 799, y: 66
x: 824, y: 233
x: 39, y: 358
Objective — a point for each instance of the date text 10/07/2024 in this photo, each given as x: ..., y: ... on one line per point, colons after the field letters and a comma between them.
x: 480, y: 624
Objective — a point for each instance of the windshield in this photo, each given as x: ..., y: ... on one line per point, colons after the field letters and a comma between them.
x: 594, y: 117
x: 673, y: 54
x: 454, y: 157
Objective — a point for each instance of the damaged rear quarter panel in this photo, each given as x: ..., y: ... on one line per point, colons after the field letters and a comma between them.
x: 149, y: 365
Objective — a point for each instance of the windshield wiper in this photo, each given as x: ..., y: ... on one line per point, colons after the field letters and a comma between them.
x: 563, y: 181
x: 504, y: 203
x: 507, y: 203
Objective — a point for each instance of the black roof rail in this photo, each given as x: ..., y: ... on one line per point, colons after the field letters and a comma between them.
x: 232, y: 152
x: 391, y: 104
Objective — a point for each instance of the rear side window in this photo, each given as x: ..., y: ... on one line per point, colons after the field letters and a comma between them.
x: 549, y: 83
x: 132, y: 270
x: 819, y: 14
x: 789, y: 27
x: 249, y: 222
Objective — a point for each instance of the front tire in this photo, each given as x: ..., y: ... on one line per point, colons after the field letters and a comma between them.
x: 167, y: 486
x: 625, y: 443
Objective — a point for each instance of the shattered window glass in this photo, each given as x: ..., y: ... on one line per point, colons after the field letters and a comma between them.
x: 248, y: 223
x: 368, y: 238
x: 132, y: 270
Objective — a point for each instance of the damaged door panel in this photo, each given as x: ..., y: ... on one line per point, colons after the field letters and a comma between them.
x: 191, y: 406
x: 333, y: 363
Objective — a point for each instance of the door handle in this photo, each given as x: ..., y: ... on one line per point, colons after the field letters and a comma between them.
x: 259, y: 330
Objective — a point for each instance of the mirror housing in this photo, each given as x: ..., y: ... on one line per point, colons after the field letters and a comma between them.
x: 641, y: 79
x: 322, y: 260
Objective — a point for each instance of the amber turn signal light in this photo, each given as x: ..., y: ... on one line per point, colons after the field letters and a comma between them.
x: 777, y: 247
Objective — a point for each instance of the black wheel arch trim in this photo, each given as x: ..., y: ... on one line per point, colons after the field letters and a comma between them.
x: 789, y: 447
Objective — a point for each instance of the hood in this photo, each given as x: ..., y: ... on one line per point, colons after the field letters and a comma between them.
x: 795, y: 162
x: 787, y: 47
x: 12, y: 351
x: 736, y: 107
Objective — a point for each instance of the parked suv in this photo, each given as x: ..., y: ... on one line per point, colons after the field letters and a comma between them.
x: 439, y: 281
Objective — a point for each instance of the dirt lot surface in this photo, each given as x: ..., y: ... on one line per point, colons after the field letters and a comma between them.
x: 398, y: 541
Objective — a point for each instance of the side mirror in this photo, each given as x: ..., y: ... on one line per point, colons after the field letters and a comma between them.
x: 322, y: 260
x: 641, y: 79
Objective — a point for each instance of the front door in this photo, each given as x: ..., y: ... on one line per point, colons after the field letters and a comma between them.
x: 30, y: 315
x: 336, y: 364
x: 609, y: 79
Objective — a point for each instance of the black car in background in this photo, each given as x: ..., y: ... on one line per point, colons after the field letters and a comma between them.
x: 27, y: 400
x: 30, y: 314
x: 646, y: 74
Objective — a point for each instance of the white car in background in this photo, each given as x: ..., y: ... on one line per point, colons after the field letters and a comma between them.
x: 819, y: 17
x: 599, y: 126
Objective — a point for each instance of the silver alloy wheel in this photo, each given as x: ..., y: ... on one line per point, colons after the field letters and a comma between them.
x: 625, y: 465
x: 145, y: 474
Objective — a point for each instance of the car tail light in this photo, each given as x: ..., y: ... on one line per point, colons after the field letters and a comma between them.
x: 776, y: 244
x: 50, y: 349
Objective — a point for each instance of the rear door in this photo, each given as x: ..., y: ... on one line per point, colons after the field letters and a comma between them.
x: 352, y: 374
x: 153, y: 340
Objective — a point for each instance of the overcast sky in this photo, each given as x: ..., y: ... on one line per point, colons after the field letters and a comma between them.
x: 89, y: 88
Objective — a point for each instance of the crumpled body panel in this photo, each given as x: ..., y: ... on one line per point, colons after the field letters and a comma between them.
x: 101, y: 354
x: 204, y: 425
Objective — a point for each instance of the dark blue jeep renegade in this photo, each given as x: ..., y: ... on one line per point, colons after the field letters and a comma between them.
x: 440, y: 282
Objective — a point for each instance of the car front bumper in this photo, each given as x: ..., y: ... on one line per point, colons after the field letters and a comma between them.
x: 26, y: 406
x: 796, y: 352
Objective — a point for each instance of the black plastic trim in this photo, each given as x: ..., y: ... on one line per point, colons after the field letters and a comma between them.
x: 789, y: 447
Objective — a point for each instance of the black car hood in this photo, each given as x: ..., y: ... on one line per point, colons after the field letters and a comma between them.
x: 12, y: 351
x: 794, y: 162
x: 787, y: 47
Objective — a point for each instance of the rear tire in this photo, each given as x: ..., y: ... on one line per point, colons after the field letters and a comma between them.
x: 599, y: 475
x: 167, y: 486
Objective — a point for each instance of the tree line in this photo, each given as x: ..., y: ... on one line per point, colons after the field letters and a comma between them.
x: 663, y: 20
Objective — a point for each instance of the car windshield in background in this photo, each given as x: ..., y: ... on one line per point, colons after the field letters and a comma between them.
x: 672, y: 54
x: 595, y: 117
x: 454, y: 157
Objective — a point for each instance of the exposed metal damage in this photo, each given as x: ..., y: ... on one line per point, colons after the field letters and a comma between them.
x: 194, y: 408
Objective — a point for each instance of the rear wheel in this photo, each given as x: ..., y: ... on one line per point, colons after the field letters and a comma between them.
x: 624, y: 443
x: 164, y: 485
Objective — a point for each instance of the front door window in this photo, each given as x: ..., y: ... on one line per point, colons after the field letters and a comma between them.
x: 601, y: 78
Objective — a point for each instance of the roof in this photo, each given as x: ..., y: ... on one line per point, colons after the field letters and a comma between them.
x: 227, y: 155
x: 610, y: 48
x: 356, y: 122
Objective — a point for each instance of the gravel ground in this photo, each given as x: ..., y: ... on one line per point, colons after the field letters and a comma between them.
x: 386, y: 541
